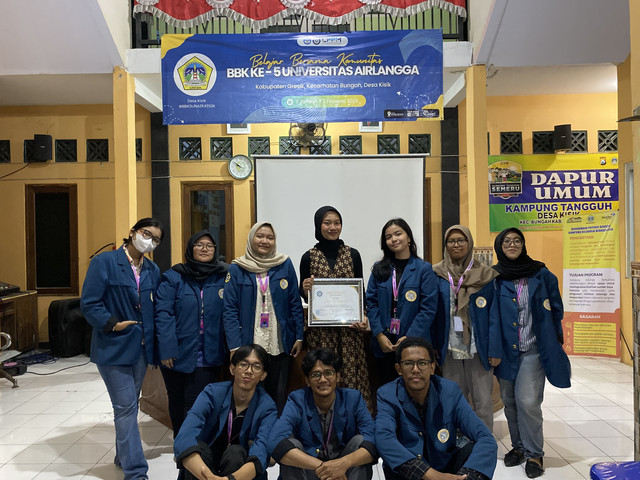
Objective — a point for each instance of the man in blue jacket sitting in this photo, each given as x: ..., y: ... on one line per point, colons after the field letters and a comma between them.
x: 324, y: 432
x: 419, y: 417
x: 225, y: 433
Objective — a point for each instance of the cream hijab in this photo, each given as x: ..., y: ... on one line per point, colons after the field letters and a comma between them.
x: 256, y: 263
x: 475, y: 278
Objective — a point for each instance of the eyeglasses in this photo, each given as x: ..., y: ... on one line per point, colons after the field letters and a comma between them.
x: 456, y: 241
x: 148, y: 235
x: 409, y: 364
x: 255, y: 367
x: 204, y: 246
x: 516, y: 242
x: 328, y: 374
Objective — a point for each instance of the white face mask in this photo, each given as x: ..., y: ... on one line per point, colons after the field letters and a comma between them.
x: 143, y: 245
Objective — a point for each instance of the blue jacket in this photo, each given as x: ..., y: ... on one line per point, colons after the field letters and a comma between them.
x: 240, y: 294
x: 485, y: 321
x: 547, y: 312
x: 178, y: 310
x: 417, y: 303
x: 400, y: 435
x: 109, y: 296
x: 300, y: 419
x: 209, y: 414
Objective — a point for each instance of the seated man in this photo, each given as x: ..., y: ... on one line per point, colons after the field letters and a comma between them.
x: 324, y: 432
x: 225, y: 433
x: 419, y: 416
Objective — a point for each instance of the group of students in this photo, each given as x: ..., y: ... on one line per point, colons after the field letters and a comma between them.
x: 481, y: 321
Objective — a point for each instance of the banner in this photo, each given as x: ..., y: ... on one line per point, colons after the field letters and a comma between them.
x: 591, y: 284
x: 535, y: 192
x: 311, y: 78
x: 260, y: 14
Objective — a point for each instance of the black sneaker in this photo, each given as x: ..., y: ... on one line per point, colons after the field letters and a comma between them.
x: 533, y: 469
x: 513, y: 458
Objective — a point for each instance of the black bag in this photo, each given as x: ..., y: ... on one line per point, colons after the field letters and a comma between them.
x: 68, y: 329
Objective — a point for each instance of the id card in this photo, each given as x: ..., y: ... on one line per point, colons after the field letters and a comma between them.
x: 394, y: 327
x: 457, y: 324
x: 264, y: 320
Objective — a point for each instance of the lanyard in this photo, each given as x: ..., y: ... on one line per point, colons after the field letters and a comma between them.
x: 263, y: 287
x: 394, y: 285
x: 137, y: 277
x: 325, y: 444
x: 456, y: 290
x: 396, y: 289
x: 519, y: 289
x: 229, y: 425
x: 202, y: 311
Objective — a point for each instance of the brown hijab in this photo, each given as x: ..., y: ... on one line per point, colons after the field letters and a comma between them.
x: 473, y: 280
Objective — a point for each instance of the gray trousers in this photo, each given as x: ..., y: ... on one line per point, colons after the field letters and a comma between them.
x: 523, y: 405
x: 361, y: 472
x: 475, y: 382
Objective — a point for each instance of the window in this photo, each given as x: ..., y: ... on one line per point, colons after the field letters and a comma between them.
x: 138, y: 149
x: 288, y: 146
x: 388, y: 144
x: 97, y: 150
x: 221, y: 148
x: 420, y: 143
x: 320, y: 146
x: 510, y: 143
x: 190, y: 148
x: 607, y: 140
x: 259, y: 146
x: 66, y: 151
x: 209, y: 206
x: 543, y: 142
x: 52, y: 239
x: 28, y: 151
x: 5, y: 151
x: 351, y: 144
x: 579, y: 141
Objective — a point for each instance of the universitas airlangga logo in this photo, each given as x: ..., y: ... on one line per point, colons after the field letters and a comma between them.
x: 194, y: 74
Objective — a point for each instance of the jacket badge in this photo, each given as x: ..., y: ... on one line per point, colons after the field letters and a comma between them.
x: 284, y: 284
x: 411, y: 296
x: 481, y: 302
x: 228, y: 277
x: 443, y: 435
x: 547, y: 304
x: 221, y: 292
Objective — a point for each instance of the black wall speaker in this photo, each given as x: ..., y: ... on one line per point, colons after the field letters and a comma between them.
x: 562, y: 137
x: 42, y: 148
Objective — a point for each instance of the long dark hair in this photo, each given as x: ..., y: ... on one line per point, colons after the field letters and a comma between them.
x: 145, y: 222
x: 382, y: 269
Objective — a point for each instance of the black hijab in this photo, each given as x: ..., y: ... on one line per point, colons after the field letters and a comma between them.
x: 328, y: 247
x: 196, y: 270
x: 521, y: 267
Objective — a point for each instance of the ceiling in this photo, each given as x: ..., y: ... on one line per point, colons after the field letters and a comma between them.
x: 552, y: 46
x: 530, y: 47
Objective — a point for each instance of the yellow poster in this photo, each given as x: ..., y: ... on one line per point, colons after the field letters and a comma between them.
x: 591, y: 277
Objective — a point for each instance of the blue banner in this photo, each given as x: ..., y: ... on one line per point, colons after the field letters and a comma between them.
x: 535, y: 192
x: 284, y: 77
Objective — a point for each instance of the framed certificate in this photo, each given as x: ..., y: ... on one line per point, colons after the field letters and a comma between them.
x: 336, y: 302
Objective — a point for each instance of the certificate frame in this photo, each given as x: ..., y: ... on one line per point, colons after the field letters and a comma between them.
x: 339, y: 307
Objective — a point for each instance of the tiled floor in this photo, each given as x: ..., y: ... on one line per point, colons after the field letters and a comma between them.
x: 60, y: 426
